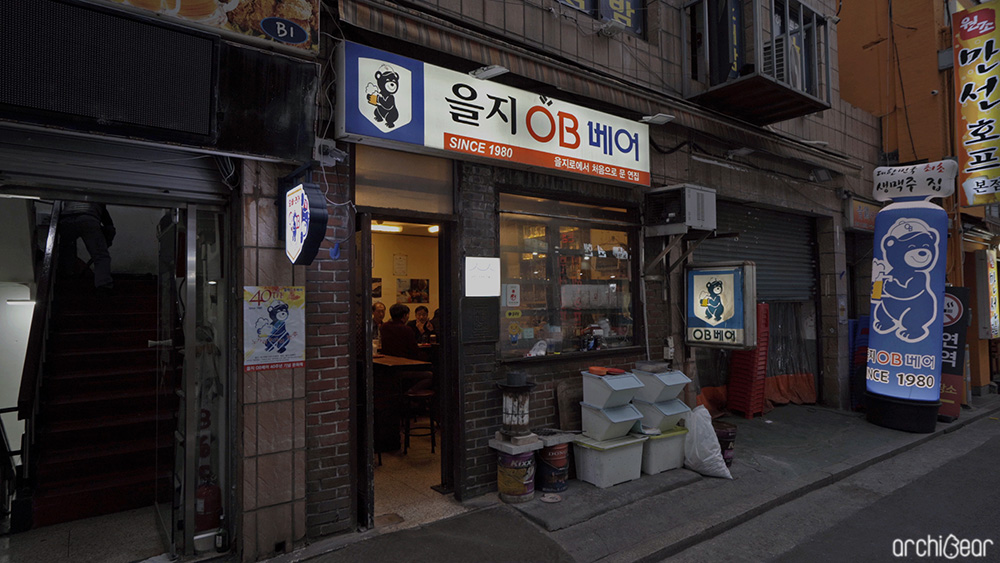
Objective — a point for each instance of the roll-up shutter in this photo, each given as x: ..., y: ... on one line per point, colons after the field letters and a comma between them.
x: 44, y: 161
x: 782, y: 245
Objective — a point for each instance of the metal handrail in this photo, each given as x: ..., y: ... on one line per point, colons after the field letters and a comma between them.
x: 31, y: 376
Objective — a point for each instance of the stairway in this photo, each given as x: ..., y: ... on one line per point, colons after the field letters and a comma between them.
x: 103, y: 443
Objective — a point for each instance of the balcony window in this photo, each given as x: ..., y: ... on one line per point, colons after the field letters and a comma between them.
x: 759, y: 60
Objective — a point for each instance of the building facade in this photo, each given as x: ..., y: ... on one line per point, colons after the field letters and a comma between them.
x: 740, y: 99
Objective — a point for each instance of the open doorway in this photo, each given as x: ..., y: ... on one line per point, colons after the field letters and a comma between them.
x: 109, y: 416
x: 407, y: 309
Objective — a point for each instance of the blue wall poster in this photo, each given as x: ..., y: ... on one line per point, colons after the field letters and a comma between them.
x: 721, y: 305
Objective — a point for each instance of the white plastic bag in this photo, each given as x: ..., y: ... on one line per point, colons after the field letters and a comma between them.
x: 701, y: 448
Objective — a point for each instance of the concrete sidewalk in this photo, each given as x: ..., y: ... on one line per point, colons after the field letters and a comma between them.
x: 778, y: 457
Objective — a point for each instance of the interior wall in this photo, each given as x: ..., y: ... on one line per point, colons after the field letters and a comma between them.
x: 421, y: 263
x: 16, y: 321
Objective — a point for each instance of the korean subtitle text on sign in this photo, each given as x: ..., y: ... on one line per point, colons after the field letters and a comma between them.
x: 626, y: 12
x: 931, y: 179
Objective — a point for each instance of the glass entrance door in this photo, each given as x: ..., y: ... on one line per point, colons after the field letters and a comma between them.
x: 192, y: 393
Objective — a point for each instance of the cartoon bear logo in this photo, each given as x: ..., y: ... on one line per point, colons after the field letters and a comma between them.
x: 383, y: 95
x: 901, y: 287
x: 278, y: 338
x: 712, y: 300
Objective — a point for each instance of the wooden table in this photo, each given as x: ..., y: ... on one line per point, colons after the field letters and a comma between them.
x: 387, y: 393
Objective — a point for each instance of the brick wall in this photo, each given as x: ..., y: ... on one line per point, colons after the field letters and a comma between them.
x: 480, y: 410
x: 330, y: 498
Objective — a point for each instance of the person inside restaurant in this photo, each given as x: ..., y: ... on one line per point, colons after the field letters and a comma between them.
x: 378, y: 317
x: 398, y: 339
x: 422, y: 327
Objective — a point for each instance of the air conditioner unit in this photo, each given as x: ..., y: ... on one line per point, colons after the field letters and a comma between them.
x: 679, y: 208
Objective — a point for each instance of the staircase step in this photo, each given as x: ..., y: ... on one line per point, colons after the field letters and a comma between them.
x: 74, y: 382
x: 90, y: 460
x: 112, y: 493
x: 106, y: 430
x: 87, y: 339
x: 98, y: 404
x: 101, y: 359
x: 103, y: 321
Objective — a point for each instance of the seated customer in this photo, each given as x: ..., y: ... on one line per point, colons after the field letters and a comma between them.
x: 421, y: 326
x: 397, y: 338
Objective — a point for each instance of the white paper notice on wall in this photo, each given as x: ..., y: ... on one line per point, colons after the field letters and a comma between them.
x: 482, y: 276
x: 512, y: 295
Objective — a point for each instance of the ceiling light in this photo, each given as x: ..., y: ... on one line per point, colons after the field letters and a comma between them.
x: 820, y: 175
x: 488, y: 72
x: 658, y: 119
x: 433, y: 228
x: 387, y: 228
x: 20, y: 301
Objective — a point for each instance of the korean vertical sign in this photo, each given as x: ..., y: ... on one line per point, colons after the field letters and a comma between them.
x: 977, y: 72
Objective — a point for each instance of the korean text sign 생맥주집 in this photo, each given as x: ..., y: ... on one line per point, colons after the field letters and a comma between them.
x: 390, y: 99
x: 273, y: 327
x: 977, y: 73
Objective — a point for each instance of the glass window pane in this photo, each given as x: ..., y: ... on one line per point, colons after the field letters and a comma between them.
x: 568, y: 285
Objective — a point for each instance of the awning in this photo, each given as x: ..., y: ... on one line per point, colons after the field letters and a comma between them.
x: 420, y: 28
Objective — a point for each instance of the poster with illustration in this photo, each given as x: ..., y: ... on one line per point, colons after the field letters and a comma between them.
x: 274, y: 321
x: 413, y: 290
x: 377, y: 288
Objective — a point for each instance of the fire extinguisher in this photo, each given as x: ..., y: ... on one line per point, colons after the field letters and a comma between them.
x: 208, y: 507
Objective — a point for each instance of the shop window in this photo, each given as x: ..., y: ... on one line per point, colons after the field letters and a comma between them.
x: 618, y: 15
x: 567, y: 277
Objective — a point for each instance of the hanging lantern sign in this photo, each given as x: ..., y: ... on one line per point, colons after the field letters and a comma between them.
x: 903, y: 373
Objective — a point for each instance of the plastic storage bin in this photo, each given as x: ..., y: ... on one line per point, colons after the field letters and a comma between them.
x: 663, y: 452
x: 605, y: 424
x: 659, y: 387
x: 609, y: 462
x: 604, y: 391
x: 663, y: 415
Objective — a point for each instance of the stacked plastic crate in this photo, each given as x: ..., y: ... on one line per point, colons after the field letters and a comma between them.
x: 747, y: 370
x: 605, y: 455
x: 661, y: 412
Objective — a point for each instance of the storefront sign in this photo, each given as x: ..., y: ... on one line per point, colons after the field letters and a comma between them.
x: 861, y: 215
x: 305, y: 223
x: 933, y: 179
x: 987, y: 294
x: 956, y: 322
x: 977, y: 54
x: 908, y: 277
x: 721, y: 305
x: 388, y: 99
x: 292, y: 22
x: 274, y: 321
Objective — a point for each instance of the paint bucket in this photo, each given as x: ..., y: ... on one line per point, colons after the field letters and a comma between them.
x: 553, y: 468
x: 516, y: 476
x: 726, y: 433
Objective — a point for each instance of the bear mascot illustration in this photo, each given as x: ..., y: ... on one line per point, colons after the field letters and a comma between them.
x: 713, y: 300
x: 388, y: 85
x: 905, y: 302
x: 279, y: 337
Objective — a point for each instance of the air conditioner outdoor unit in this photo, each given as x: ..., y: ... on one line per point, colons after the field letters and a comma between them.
x: 679, y: 208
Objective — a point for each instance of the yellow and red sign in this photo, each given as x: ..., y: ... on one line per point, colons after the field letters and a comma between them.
x: 294, y: 23
x: 977, y: 73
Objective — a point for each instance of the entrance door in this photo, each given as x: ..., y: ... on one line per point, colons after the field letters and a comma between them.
x: 192, y: 319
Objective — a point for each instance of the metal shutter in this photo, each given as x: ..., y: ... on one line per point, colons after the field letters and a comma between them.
x: 40, y: 160
x: 782, y: 245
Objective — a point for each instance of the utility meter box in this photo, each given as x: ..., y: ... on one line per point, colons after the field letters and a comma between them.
x: 676, y: 209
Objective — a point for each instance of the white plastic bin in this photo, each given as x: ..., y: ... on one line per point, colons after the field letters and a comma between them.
x: 663, y: 452
x: 608, y: 462
x: 663, y: 415
x: 604, y: 391
x: 659, y: 387
x: 605, y: 424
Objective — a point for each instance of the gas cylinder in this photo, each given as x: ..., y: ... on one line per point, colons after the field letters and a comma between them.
x: 208, y: 507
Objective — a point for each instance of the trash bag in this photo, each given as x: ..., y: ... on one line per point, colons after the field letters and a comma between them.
x: 701, y: 447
